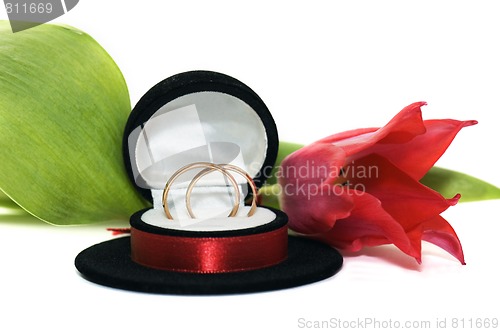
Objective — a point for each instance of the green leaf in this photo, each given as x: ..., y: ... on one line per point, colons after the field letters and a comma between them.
x: 448, y: 183
x: 8, y: 206
x: 63, y: 107
x: 4, y: 198
x: 285, y: 148
x: 269, y: 195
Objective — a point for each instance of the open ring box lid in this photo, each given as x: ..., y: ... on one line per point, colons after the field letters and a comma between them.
x: 203, y: 116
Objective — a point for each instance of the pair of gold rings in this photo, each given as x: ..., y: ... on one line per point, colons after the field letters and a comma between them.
x: 208, y: 168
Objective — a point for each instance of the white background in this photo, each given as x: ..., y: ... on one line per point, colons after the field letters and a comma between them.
x: 321, y: 67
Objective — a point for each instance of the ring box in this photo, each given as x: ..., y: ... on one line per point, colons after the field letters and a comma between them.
x: 208, y: 117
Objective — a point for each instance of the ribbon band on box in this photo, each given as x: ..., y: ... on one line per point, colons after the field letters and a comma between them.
x: 209, y: 254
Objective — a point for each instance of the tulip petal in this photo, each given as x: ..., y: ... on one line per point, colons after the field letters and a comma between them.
x: 439, y: 232
x: 349, y: 134
x: 444, y: 181
x: 405, y: 199
x: 369, y: 225
x: 316, y: 214
x: 313, y: 205
x: 402, y: 128
x: 425, y: 149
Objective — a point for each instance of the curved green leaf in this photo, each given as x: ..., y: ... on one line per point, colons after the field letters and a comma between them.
x: 63, y: 107
x: 8, y: 206
x: 269, y: 195
x: 4, y: 198
x: 448, y: 183
x: 285, y: 148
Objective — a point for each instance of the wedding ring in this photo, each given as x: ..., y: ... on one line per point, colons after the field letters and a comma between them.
x: 225, y: 167
x: 207, y: 166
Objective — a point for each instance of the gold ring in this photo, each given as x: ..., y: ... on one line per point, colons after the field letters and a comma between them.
x: 225, y: 167
x: 212, y: 167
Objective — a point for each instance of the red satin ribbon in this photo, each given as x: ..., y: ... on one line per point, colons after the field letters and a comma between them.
x: 209, y: 254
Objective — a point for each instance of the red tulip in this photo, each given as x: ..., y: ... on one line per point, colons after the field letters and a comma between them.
x: 361, y: 187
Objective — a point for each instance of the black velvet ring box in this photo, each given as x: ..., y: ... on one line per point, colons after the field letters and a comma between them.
x: 208, y: 117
